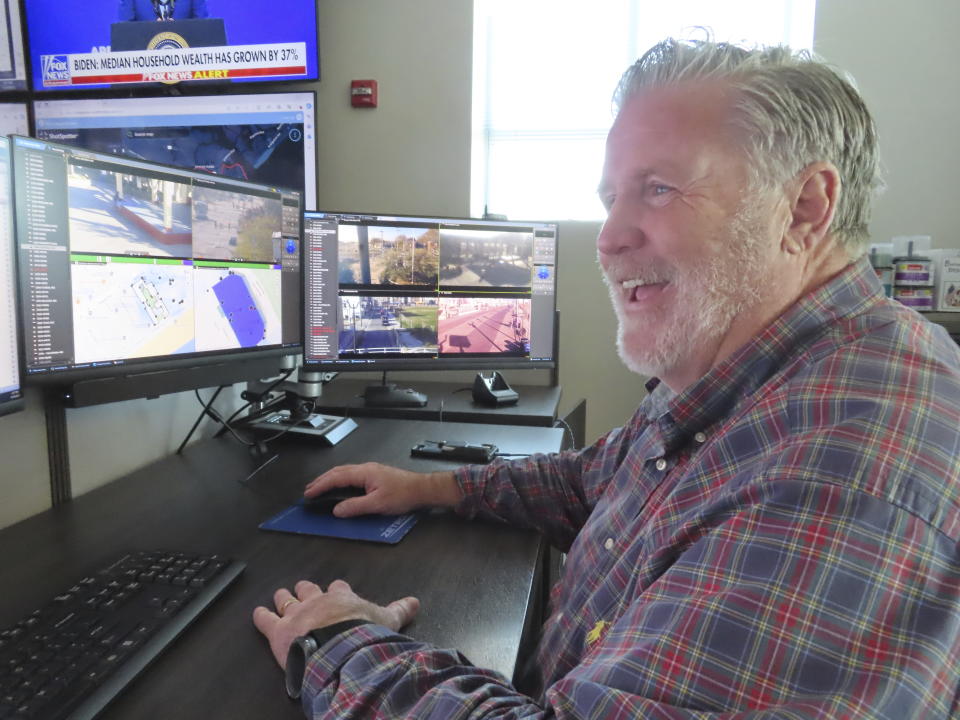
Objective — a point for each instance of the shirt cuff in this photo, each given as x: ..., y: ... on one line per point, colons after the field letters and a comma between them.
x: 325, y: 664
x: 469, y: 478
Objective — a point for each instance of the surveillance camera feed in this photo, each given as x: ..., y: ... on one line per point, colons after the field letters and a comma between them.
x: 396, y: 291
x: 128, y: 262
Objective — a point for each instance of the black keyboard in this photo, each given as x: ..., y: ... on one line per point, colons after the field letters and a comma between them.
x: 72, y: 656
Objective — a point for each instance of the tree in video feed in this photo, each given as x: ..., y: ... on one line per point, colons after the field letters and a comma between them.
x: 411, y: 259
x: 234, y: 226
x: 384, y: 255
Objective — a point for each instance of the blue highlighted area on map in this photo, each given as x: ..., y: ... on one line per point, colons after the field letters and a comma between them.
x: 238, y: 305
x: 240, y: 309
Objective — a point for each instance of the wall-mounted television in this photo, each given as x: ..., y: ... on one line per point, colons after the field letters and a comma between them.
x: 142, y: 273
x: 109, y: 43
x: 264, y: 137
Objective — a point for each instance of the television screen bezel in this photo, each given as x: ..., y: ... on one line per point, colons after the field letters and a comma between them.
x: 147, y: 366
x: 435, y: 363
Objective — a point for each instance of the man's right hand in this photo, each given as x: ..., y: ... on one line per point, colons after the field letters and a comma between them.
x: 389, y: 490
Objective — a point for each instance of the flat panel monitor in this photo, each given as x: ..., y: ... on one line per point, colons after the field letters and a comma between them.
x: 387, y: 291
x: 130, y: 268
x: 111, y: 43
x: 268, y: 137
x: 11, y: 392
x: 13, y: 119
x: 13, y: 69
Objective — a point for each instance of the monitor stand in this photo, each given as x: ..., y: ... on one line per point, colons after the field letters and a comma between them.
x: 388, y: 395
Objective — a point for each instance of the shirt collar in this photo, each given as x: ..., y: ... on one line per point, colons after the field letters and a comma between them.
x: 714, y: 396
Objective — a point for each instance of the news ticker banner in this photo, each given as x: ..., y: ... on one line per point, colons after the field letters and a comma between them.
x: 175, y: 64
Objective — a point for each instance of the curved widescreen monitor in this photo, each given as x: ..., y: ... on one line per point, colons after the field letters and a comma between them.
x: 415, y: 292
x: 264, y: 137
x: 11, y: 393
x: 120, y: 43
x: 129, y: 267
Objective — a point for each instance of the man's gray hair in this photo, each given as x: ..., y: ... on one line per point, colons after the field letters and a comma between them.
x: 792, y: 110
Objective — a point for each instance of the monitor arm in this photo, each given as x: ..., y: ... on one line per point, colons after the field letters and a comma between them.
x: 298, y: 396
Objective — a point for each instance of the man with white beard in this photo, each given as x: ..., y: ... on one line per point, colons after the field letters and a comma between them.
x: 776, y: 531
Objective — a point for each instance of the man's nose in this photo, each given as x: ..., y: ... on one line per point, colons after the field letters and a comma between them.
x: 620, y: 232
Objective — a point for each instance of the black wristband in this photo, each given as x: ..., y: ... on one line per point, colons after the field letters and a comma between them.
x: 325, y: 634
x: 303, y: 648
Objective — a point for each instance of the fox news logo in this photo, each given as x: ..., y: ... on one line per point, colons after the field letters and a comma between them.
x: 56, y: 71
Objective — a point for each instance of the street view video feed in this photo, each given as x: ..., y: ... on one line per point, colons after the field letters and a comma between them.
x: 379, y: 325
x: 489, y: 325
x: 485, y: 259
x: 124, y: 214
x: 413, y: 289
x: 235, y: 226
x: 374, y: 255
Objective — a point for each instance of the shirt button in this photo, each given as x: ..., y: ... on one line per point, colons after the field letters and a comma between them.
x: 661, y: 464
x: 700, y: 437
x: 608, y: 544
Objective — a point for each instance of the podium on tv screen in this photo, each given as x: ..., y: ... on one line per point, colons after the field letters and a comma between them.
x: 153, y: 35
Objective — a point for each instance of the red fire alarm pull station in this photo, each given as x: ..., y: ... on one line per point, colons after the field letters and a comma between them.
x: 363, y: 93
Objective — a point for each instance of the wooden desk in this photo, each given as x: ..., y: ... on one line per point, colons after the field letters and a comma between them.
x: 537, y: 404
x: 474, y: 579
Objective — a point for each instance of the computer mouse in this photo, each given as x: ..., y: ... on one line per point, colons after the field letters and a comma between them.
x: 324, y: 502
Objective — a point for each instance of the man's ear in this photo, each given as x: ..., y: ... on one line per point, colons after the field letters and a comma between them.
x: 816, y: 191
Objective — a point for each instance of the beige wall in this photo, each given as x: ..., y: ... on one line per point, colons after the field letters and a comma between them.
x: 105, y: 442
x: 902, y: 56
x: 24, y: 484
x: 412, y: 155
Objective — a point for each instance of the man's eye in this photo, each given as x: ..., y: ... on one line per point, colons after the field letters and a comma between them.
x: 658, y: 189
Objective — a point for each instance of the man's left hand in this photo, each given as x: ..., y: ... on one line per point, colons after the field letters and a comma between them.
x: 312, y: 609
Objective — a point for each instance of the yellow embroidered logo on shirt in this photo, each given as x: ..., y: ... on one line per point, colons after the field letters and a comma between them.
x: 599, y: 630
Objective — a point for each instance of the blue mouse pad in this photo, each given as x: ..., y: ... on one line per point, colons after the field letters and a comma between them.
x: 375, y: 528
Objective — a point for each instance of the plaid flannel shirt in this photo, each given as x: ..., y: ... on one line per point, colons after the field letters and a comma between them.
x: 780, y: 540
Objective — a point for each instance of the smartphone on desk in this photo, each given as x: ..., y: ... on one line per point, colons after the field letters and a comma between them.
x: 454, y: 451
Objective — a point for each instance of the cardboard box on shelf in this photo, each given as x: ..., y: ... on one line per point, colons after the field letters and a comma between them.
x: 946, y: 264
